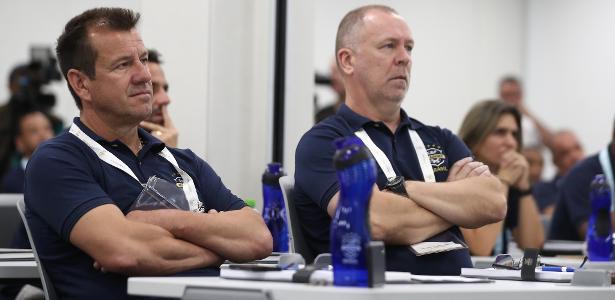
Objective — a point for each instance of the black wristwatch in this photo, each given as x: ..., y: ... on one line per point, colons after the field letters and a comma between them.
x: 523, y: 193
x: 397, y: 186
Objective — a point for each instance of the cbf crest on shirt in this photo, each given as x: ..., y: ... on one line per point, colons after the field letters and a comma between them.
x: 437, y: 157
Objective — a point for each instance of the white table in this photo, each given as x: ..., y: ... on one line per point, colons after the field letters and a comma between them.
x: 18, y: 270
x: 174, y: 287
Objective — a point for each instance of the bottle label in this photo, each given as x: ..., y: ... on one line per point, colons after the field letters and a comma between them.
x: 351, y: 248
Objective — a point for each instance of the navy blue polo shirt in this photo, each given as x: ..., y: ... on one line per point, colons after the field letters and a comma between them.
x: 13, y: 180
x: 573, y: 206
x: 316, y: 181
x: 65, y: 179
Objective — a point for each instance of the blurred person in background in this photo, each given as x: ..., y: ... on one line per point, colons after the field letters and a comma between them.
x: 533, y: 155
x: 337, y: 84
x: 33, y: 129
x: 160, y: 124
x: 567, y: 151
x: 573, y: 208
x: 492, y: 131
x: 535, y: 133
x: 26, y: 84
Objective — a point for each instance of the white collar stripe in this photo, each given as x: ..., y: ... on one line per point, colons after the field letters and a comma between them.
x: 379, y: 156
x: 423, y: 156
x: 385, y: 164
x: 188, y: 184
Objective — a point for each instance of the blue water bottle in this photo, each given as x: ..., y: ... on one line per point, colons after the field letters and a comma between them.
x: 274, y: 212
x: 350, y: 235
x: 599, y: 235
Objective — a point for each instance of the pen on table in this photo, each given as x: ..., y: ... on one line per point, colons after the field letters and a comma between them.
x: 557, y: 269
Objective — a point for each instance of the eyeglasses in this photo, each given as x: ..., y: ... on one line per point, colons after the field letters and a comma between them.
x: 506, y: 261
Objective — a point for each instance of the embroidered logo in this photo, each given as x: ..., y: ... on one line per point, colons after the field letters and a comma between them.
x: 437, y: 158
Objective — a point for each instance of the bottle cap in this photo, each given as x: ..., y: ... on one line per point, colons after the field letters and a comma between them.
x: 350, y: 150
x: 250, y: 202
x: 274, y: 167
x: 272, y: 174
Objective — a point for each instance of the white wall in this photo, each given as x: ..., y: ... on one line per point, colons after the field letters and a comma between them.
x: 219, y: 58
x: 571, y: 67
x: 299, y: 77
x: 239, y: 111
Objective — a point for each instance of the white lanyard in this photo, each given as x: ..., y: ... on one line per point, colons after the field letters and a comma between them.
x: 605, y: 162
x: 188, y: 184
x: 385, y: 164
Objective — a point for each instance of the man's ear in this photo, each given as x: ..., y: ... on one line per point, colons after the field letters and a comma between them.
x: 80, y: 83
x: 345, y: 58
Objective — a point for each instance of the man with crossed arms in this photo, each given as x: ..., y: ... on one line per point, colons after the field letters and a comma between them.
x: 445, y: 187
x: 88, y: 238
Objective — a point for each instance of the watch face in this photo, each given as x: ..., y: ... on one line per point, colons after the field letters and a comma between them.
x: 395, y: 181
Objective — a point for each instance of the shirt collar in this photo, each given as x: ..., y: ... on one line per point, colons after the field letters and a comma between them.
x: 357, y: 121
x: 24, y: 162
x: 150, y: 143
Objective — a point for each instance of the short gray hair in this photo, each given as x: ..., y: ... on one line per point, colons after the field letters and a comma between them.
x: 346, y: 31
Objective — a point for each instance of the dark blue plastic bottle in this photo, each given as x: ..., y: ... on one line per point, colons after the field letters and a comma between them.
x: 350, y: 235
x: 274, y: 212
x: 599, y: 235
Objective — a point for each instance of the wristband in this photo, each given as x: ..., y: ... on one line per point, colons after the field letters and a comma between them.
x: 523, y: 193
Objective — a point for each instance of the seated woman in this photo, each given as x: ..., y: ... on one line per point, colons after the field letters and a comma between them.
x: 492, y: 131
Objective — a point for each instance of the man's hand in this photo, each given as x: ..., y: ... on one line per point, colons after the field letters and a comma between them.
x: 167, y: 132
x: 467, y: 167
x: 514, y: 170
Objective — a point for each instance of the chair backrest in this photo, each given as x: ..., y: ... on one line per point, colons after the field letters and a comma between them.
x: 9, y: 218
x: 296, y: 239
x: 50, y: 293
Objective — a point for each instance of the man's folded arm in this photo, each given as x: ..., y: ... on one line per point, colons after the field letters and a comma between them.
x: 397, y: 220
x: 469, y: 202
x: 120, y: 245
x: 238, y: 235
